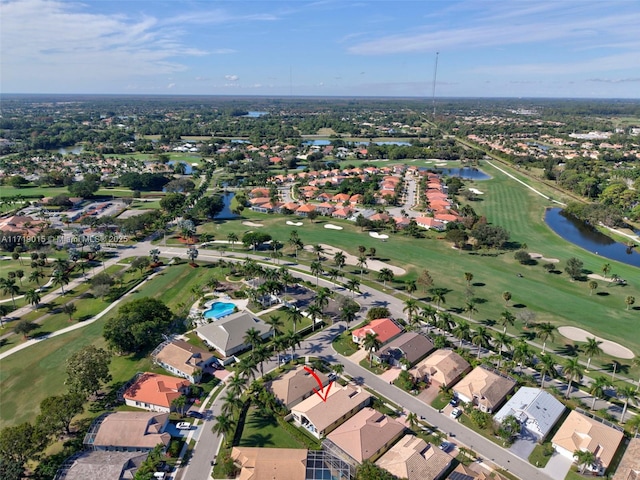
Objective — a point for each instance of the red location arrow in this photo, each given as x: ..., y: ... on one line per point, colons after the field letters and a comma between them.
x: 322, y: 389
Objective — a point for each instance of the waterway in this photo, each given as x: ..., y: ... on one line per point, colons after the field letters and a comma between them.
x: 579, y: 233
x: 466, y: 173
x: 226, y: 213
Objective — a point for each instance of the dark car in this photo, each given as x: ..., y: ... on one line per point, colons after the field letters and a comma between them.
x: 194, y: 414
x: 453, y: 402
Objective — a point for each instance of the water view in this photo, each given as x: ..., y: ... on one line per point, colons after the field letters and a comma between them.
x: 77, y: 149
x: 255, y: 114
x: 467, y: 173
x: 587, y: 237
x: 226, y: 213
x: 189, y: 168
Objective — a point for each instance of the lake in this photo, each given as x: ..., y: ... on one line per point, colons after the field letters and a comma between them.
x: 77, y: 149
x: 226, y: 213
x: 256, y: 114
x: 188, y: 169
x: 579, y: 233
x: 466, y: 173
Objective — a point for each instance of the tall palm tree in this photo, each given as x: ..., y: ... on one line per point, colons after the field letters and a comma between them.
x: 606, y: 268
x: 593, y: 285
x: 572, y: 371
x: 444, y: 321
x: 470, y: 307
x: 318, y: 250
x: 223, y: 425
x: 468, y: 276
x: 259, y: 354
x: 545, y: 331
x: 591, y: 349
x: 522, y: 353
x: 349, y: 312
x: 252, y: 337
x: 385, y: 275
x: 438, y: 295
x: 294, y: 315
x: 371, y: 344
x: 61, y: 278
x: 333, y: 274
x: 286, y: 278
x: 279, y: 345
x: 247, y: 368
x: 353, y: 285
x: 293, y: 340
x: 410, y: 307
x: 362, y: 264
x: 232, y: 238
x: 35, y: 276
x: 546, y: 365
x: 597, y: 389
x: 236, y: 385
x: 276, y: 323
x: 315, y: 313
x: 33, y: 297
x: 339, y: 259
x: 481, y: 338
x: 69, y: 309
x: 411, y: 287
x: 506, y: 296
x: 507, y: 319
x: 629, y: 300
x: 501, y: 340
x: 9, y: 287
x: 316, y: 269
x: 584, y: 458
x: 322, y: 298
x: 297, y: 245
x: 412, y: 418
x: 462, y: 331
x: 429, y: 314
x: 629, y: 393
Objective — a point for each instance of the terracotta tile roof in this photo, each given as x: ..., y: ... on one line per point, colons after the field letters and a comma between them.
x: 366, y: 434
x: 270, y: 463
x: 295, y: 385
x: 579, y: 432
x: 414, y: 459
x: 131, y: 429
x: 488, y: 387
x: 156, y: 389
x: 183, y: 356
x: 306, y: 208
x: 384, y: 327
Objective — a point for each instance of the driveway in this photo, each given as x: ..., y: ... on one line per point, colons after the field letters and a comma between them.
x: 524, y: 445
x: 558, y: 466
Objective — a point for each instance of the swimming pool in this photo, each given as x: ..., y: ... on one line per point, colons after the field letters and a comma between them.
x: 219, y: 310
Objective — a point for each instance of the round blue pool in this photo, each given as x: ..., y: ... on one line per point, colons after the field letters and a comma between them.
x: 219, y: 310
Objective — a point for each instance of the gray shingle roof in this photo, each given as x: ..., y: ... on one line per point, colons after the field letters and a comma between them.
x: 228, y: 333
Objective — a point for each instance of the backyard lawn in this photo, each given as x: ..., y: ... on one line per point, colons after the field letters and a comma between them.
x: 264, y: 431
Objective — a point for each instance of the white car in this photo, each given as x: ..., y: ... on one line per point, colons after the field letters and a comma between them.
x: 456, y: 412
x: 183, y: 426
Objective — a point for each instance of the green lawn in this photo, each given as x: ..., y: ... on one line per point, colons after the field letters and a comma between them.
x: 538, y: 458
x: 264, y: 431
x: 344, y: 345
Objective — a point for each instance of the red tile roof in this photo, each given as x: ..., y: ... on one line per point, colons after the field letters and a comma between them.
x: 384, y: 327
x: 156, y: 389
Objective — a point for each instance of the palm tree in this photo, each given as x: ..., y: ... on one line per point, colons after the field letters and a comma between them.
x: 9, y: 287
x: 353, y: 285
x: 35, y: 276
x: 69, y: 309
x: 314, y: 312
x: 410, y: 307
x: 584, y: 458
x: 322, y: 298
x: 470, y: 307
x: 362, y: 264
x: 444, y: 321
x: 333, y: 274
x: 385, y: 275
x: 349, y: 312
x: 606, y: 268
x: 629, y: 393
x: 33, y: 297
x: 286, y: 278
x: 276, y: 324
x: 481, y: 338
x: 592, y: 349
x: 223, y: 425
x: 192, y: 254
x: 597, y: 389
x: 259, y: 354
x: 501, y: 340
x: 232, y: 238
x: 430, y: 315
x: 462, y: 331
x: 236, y: 385
x: 279, y: 345
x: 318, y: 250
x: 61, y: 278
x: 339, y: 259
x: 629, y: 300
x: 316, y: 269
x: 252, y: 337
x: 294, y: 315
x: 572, y: 371
x: 371, y: 344
x: 438, y: 295
x: 412, y: 418
x: 507, y: 319
x: 297, y: 245
x: 506, y: 296
x: 592, y: 286
x: 468, y: 276
x: 337, y: 368
x: 293, y: 340
x: 547, y: 365
x: 545, y: 331
x: 522, y: 353
x: 247, y: 368
x: 411, y: 287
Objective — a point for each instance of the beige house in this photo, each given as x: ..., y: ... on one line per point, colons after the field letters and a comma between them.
x: 444, y: 367
x: 414, y: 459
x: 484, y: 388
x: 365, y: 436
x: 128, y: 432
x: 270, y: 463
x: 580, y: 432
x: 320, y: 417
x: 293, y: 386
x: 629, y: 466
x: 183, y: 359
x: 102, y: 465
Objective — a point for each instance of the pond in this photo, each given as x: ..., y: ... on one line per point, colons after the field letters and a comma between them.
x: 466, y: 173
x: 579, y: 233
x: 188, y: 170
x: 226, y: 213
x: 255, y: 114
x: 77, y: 149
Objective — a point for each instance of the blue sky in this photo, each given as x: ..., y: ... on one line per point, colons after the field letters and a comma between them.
x: 559, y: 48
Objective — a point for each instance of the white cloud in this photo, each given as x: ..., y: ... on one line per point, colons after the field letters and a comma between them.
x: 232, y: 78
x: 171, y: 85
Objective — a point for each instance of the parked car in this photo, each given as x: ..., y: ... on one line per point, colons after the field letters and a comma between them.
x: 453, y: 402
x: 183, y: 426
x: 194, y: 414
x: 456, y: 412
x: 445, y: 446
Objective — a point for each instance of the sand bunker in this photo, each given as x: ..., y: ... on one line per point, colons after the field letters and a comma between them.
x: 538, y: 256
x: 595, y: 276
x: 252, y: 224
x: 381, y: 236
x: 476, y: 191
x: 331, y: 226
x: 295, y: 224
x: 610, y: 348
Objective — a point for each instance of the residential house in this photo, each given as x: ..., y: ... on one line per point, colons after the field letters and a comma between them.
x: 536, y: 410
x: 155, y: 392
x: 183, y: 359
x: 442, y: 367
x: 365, y: 436
x: 629, y: 466
x: 320, y: 417
x: 385, y: 328
x: 305, y: 209
x: 429, y: 223
x: 474, y: 472
x: 410, y: 346
x: 344, y: 212
x: 20, y: 225
x: 414, y: 459
x: 101, y: 465
x: 580, y: 432
x: 227, y: 334
x: 270, y: 463
x: 484, y: 388
x: 325, y: 208
x: 128, y: 432
x: 293, y: 386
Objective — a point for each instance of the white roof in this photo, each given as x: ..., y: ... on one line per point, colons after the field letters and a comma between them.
x: 536, y: 409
